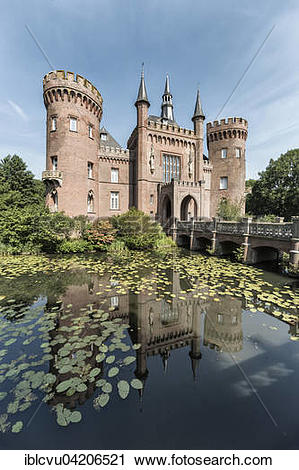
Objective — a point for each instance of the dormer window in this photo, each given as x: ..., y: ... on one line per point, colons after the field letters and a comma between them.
x: 103, y: 136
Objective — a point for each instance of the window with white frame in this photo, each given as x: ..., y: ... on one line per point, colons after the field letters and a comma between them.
x: 223, y: 153
x: 73, y: 124
x: 90, y: 169
x: 90, y: 131
x: 53, y: 123
x: 114, y: 200
x: 220, y: 318
x: 223, y: 182
x: 103, y: 136
x: 54, y: 163
x: 114, y: 175
x: 238, y: 152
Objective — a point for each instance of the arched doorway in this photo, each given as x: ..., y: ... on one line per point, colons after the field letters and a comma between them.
x: 166, y: 210
x: 188, y: 208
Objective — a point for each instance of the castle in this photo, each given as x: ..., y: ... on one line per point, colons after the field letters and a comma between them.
x: 163, y: 171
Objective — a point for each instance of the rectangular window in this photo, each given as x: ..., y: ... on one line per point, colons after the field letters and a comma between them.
x: 114, y: 175
x: 54, y: 163
x: 90, y: 169
x: 223, y: 153
x: 238, y: 152
x: 114, y: 200
x: 53, y: 123
x: 223, y: 182
x: 151, y: 199
x: 73, y: 124
x: 171, y: 168
x: 90, y: 132
x: 103, y: 136
x: 220, y: 318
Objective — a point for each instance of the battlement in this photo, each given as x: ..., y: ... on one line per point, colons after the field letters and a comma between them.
x: 106, y: 150
x: 225, y: 123
x: 63, y: 79
x: 170, y: 128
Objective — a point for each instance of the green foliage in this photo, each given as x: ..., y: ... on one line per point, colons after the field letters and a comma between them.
x: 267, y: 218
x: 164, y: 244
x: 118, y: 249
x: 137, y: 229
x: 238, y: 254
x: 228, y: 210
x: 249, y: 183
x: 18, y: 188
x: 101, y: 234
x: 277, y: 189
x: 74, y: 246
x: 81, y: 225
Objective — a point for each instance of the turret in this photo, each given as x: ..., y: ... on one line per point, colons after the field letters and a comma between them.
x: 198, y: 119
x: 167, y: 106
x: 142, y: 104
x: 226, y: 141
x: 74, y: 111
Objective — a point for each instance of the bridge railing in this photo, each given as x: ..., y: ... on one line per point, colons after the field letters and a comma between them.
x: 271, y: 230
x: 283, y: 230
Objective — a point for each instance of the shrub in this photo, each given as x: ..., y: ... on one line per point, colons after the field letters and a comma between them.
x: 165, y: 245
x: 228, y: 210
x: 74, y: 246
x: 137, y: 229
x: 101, y: 234
x: 118, y: 249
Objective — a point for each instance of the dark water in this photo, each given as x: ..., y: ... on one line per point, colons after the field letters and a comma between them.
x: 215, y: 374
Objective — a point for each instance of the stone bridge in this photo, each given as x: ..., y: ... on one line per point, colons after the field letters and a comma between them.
x: 261, y: 241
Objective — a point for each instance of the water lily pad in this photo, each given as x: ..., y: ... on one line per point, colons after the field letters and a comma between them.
x: 123, y: 389
x: 75, y: 417
x: 113, y: 372
x: 129, y: 360
x: 137, y: 384
x: 17, y: 427
x: 107, y: 388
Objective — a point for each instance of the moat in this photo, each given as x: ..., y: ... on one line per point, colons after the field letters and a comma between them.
x: 182, y: 352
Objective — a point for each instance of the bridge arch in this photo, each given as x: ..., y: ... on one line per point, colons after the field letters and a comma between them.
x: 202, y: 244
x: 259, y: 254
x: 188, y: 208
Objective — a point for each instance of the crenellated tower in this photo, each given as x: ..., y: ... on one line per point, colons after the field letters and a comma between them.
x: 226, y: 141
x: 74, y: 111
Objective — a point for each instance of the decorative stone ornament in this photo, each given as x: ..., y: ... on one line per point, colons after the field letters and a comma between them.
x: 152, y: 160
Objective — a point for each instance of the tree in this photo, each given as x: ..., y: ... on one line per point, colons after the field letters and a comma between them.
x: 18, y: 188
x: 277, y: 189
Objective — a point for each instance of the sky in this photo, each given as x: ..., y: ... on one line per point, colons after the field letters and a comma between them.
x: 197, y: 42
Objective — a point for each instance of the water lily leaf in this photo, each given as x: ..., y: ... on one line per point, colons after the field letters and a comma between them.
x: 136, y: 346
x: 123, y: 389
x: 107, y: 388
x: 137, y: 384
x: 65, y: 369
x: 110, y: 359
x: 17, y: 427
x: 129, y: 360
x: 96, y: 371
x: 10, y: 341
x: 2, y: 395
x: 103, y: 399
x: 81, y: 387
x: 62, y: 386
x: 113, y: 372
x: 100, y: 357
x: 75, y: 417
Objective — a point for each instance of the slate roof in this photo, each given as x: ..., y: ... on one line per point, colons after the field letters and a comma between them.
x: 110, y: 141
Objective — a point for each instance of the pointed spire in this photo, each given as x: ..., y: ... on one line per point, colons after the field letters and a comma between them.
x: 167, y: 87
x: 142, y: 94
x: 167, y: 106
x: 198, y: 112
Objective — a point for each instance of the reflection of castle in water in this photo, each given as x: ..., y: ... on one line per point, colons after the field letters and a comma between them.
x: 160, y: 325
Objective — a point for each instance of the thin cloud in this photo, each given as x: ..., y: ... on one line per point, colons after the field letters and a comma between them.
x: 18, y: 110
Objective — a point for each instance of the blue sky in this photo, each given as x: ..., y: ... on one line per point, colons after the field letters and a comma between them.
x: 197, y: 42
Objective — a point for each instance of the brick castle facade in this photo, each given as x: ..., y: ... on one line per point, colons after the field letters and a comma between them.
x: 163, y: 171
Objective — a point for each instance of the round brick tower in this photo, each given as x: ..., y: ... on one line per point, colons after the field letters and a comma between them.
x: 226, y: 141
x: 74, y: 111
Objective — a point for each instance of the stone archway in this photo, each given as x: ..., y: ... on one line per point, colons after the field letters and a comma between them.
x: 166, y: 210
x: 188, y: 208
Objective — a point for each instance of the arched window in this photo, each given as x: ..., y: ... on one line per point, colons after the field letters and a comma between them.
x: 55, y: 201
x: 90, y: 202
